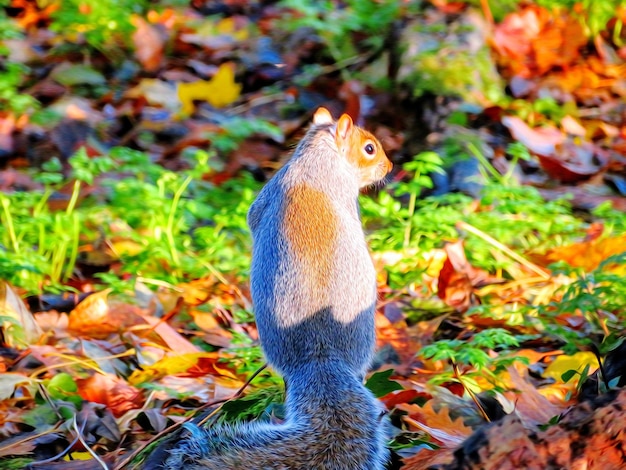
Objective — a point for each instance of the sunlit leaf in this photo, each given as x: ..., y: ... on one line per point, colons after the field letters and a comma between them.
x: 18, y: 324
x: 576, y: 362
x: 220, y: 91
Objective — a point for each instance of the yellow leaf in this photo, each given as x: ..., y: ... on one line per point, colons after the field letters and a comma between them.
x: 577, y: 362
x: 227, y: 26
x: 127, y: 247
x: 78, y: 456
x: 190, y: 364
x: 220, y: 91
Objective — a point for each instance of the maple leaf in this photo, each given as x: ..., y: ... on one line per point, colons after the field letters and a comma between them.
x: 448, y: 433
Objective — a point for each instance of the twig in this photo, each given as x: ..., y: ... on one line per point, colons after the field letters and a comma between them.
x: 235, y: 396
x: 473, y: 396
x: 89, y: 449
x: 506, y: 250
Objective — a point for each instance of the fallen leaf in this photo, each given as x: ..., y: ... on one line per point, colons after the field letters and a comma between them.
x: 118, y: 396
x: 572, y: 162
x: 7, y: 128
x: 19, y: 327
x: 97, y: 317
x: 156, y: 92
x: 17, y: 445
x: 542, y: 141
x: 533, y: 40
x: 577, y: 361
x: 588, y: 254
x: 8, y: 382
x: 572, y: 126
x: 438, y: 424
x: 174, y: 340
x: 223, y: 34
x: 69, y: 74
x: 220, y: 91
x: 458, y: 278
x: 149, y: 44
x: 190, y: 364
x: 447, y: 433
x: 530, y: 405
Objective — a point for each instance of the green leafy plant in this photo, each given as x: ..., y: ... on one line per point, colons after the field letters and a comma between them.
x: 599, y: 296
x: 178, y: 226
x: 421, y: 166
x: 471, y: 355
x: 12, y: 78
x: 104, y: 24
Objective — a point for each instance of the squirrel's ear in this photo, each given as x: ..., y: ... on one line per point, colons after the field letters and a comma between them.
x: 322, y: 116
x: 344, y: 126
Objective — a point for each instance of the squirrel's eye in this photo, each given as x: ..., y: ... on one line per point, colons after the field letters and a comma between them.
x: 369, y: 149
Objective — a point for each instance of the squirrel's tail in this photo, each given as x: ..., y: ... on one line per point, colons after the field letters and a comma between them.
x: 333, y: 423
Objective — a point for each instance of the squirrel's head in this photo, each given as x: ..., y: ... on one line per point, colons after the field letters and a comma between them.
x: 359, y: 147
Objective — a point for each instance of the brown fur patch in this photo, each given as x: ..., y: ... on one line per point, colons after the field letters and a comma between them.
x: 311, y: 229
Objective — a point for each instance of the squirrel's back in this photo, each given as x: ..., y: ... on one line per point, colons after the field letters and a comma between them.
x: 312, y: 280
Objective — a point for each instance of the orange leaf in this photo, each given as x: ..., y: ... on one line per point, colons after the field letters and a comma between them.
x: 111, y: 391
x: 97, y: 317
x: 542, y: 141
x: 458, y: 278
x: 588, y: 254
x: 448, y: 434
x: 149, y: 44
x: 438, y: 424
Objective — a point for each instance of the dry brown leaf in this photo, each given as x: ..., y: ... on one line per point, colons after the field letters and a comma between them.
x: 458, y: 278
x: 97, y: 317
x: 438, y: 424
x: 395, y: 335
x: 53, y: 321
x: 172, y: 339
x: 447, y: 433
x: 530, y: 405
x: 574, y: 161
x: 17, y: 445
x: 19, y: 327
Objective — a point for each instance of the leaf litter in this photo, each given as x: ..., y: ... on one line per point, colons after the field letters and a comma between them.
x: 98, y: 376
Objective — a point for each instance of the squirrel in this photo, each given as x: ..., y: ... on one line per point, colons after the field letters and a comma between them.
x: 313, y: 288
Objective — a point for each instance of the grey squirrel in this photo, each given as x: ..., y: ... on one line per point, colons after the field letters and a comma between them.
x: 313, y: 288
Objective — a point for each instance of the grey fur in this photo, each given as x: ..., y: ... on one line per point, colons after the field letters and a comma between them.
x: 321, y: 343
